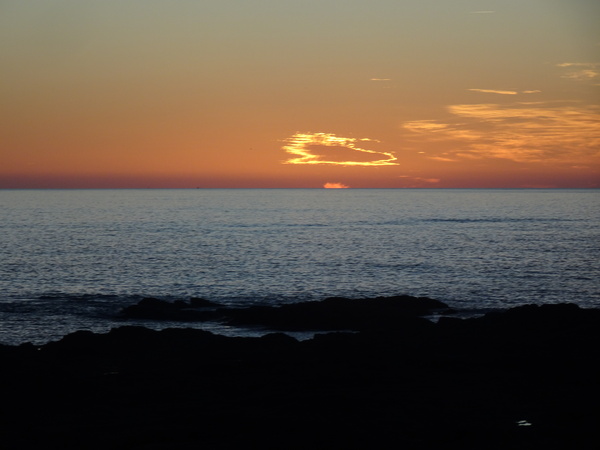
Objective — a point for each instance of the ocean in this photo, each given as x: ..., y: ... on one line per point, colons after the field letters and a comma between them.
x: 71, y: 259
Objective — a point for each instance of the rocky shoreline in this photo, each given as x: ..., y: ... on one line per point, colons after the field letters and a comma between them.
x: 330, y: 314
x: 525, y: 378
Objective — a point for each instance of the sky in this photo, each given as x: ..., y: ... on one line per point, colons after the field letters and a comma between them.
x: 299, y: 93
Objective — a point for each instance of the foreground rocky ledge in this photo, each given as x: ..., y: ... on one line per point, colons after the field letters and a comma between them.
x: 526, y: 378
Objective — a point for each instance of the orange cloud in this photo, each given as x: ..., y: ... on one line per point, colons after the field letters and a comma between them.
x: 421, y: 179
x: 581, y: 71
x: 494, y: 91
x: 501, y: 92
x: 305, y: 147
x: 540, y: 132
x: 335, y: 186
x: 425, y: 125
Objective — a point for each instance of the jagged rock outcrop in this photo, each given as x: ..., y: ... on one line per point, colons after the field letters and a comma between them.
x: 331, y: 314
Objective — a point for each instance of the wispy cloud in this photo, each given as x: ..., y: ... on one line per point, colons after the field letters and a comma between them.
x: 320, y: 148
x: 380, y: 79
x: 443, y: 158
x: 540, y: 132
x: 418, y: 182
x: 581, y: 71
x: 501, y: 92
x: 578, y: 64
x: 494, y: 91
x: 425, y: 180
x: 425, y: 125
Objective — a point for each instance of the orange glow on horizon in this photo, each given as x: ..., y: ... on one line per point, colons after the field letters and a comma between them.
x: 290, y: 97
x: 335, y: 186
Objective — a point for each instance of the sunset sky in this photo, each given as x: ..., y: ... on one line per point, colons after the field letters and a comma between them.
x: 299, y: 93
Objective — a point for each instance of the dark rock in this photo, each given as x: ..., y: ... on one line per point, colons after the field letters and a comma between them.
x: 334, y: 313
x: 337, y: 313
x: 155, y: 309
x: 196, y: 302
x: 466, y: 384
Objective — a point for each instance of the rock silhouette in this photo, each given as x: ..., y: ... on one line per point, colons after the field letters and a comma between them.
x: 155, y: 309
x: 334, y: 313
x: 525, y: 378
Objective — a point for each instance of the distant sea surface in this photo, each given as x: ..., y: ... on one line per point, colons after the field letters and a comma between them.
x: 71, y: 259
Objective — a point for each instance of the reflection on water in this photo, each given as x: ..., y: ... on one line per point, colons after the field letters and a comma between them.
x: 68, y: 255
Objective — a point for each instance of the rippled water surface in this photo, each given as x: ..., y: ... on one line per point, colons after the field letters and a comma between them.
x: 70, y: 259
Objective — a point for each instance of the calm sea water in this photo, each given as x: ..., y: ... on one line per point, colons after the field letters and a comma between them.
x: 70, y: 259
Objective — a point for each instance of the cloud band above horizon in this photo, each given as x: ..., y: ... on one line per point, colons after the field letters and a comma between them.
x: 304, y: 147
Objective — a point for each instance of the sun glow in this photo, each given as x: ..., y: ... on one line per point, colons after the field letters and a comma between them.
x: 335, y: 186
x: 300, y: 145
